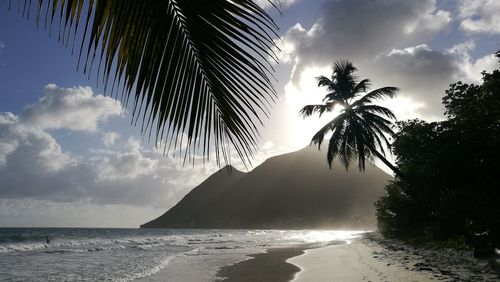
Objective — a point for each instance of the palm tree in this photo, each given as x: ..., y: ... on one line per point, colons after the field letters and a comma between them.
x: 197, y: 72
x: 359, y: 131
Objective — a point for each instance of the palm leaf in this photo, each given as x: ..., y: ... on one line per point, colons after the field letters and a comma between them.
x: 377, y: 94
x: 198, y: 69
x: 324, y: 81
x: 332, y: 125
x: 362, y: 86
x: 334, y: 144
x: 309, y: 110
x: 375, y: 109
x: 378, y: 121
x: 374, y: 133
x: 343, y: 76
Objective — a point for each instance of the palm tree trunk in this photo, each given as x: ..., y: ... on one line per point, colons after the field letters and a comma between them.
x: 387, y: 163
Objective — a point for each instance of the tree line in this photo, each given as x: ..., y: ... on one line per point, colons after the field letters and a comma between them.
x: 451, y: 188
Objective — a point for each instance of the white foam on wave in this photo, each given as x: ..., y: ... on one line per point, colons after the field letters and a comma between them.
x: 101, y: 244
x: 193, y: 252
x: 146, y: 272
x: 22, y: 247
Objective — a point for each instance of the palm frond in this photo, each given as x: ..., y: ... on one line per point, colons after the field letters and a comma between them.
x: 309, y: 110
x: 332, y: 125
x: 343, y: 70
x: 334, y: 144
x: 324, y: 81
x: 334, y: 98
x: 380, y: 122
x: 344, y: 78
x: 346, y: 152
x: 194, y: 68
x: 377, y: 94
x: 374, y: 134
x: 376, y: 110
x: 362, y: 86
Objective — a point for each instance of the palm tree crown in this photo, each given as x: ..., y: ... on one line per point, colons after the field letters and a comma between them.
x: 360, y: 130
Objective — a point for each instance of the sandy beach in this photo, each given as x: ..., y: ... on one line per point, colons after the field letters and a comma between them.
x: 370, y: 258
x: 351, y: 262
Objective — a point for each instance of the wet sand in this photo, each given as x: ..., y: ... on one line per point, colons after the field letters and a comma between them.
x: 270, y: 266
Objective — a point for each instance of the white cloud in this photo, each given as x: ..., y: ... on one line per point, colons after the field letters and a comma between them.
x: 127, y: 165
x: 474, y: 69
x: 74, y: 108
x: 361, y: 29
x: 33, y: 165
x: 109, y: 138
x: 268, y: 145
x: 470, y: 70
x: 38, y: 150
x: 480, y: 16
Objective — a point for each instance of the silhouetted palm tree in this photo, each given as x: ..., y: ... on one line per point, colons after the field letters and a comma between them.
x: 197, y: 70
x: 361, y: 127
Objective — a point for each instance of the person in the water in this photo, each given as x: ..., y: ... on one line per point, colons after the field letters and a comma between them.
x: 48, y: 240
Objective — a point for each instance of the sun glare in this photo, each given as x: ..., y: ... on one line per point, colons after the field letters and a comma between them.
x: 305, y: 91
x: 323, y: 236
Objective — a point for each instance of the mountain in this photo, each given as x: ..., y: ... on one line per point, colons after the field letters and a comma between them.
x: 197, y: 199
x: 295, y: 190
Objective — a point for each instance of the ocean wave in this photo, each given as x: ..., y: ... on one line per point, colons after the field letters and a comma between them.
x: 100, y: 244
x: 106, y: 248
x: 62, y: 251
x: 22, y: 247
x: 146, y: 272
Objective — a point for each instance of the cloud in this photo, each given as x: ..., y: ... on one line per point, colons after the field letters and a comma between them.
x: 383, y: 38
x: 480, y: 16
x: 2, y: 45
x: 74, y: 108
x: 470, y: 69
x: 422, y: 74
x: 42, y: 213
x: 109, y: 138
x: 128, y: 165
x: 361, y: 29
x: 33, y: 165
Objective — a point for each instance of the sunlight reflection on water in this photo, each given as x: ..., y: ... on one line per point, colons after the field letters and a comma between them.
x: 321, y: 236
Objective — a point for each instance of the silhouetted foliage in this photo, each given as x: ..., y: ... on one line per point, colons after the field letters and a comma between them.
x: 451, y: 187
x: 197, y: 72
x: 360, y: 130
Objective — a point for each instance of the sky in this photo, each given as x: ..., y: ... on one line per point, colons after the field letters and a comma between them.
x: 69, y: 155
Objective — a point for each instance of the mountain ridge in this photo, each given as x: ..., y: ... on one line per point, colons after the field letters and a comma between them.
x: 289, y: 191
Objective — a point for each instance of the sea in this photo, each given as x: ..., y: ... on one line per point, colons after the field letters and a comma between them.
x: 101, y: 254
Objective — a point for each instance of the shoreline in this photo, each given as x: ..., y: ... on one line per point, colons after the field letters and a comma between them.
x: 369, y: 258
x: 351, y: 262
x: 269, y: 266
